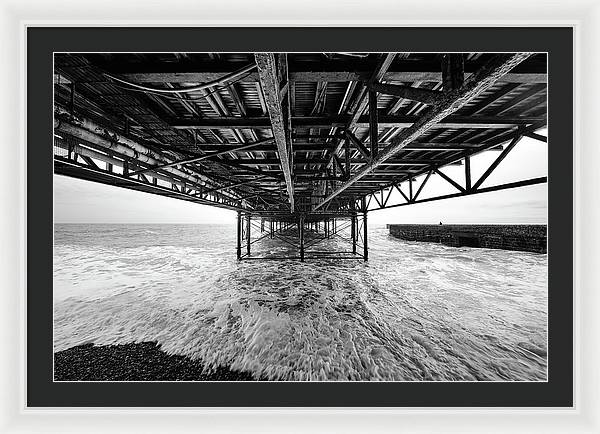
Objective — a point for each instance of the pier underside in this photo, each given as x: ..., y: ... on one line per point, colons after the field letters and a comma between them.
x: 301, y: 145
x: 304, y: 237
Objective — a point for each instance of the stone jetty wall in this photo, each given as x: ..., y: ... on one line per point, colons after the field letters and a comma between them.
x: 527, y: 238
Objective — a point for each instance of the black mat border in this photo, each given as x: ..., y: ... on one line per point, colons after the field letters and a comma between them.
x: 43, y: 41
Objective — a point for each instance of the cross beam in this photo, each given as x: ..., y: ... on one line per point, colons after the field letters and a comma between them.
x: 403, y: 70
x: 384, y: 120
x: 270, y: 67
x: 452, y: 101
x: 202, y: 157
x: 426, y: 96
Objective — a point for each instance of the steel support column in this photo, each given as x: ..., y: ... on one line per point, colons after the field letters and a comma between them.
x: 353, y: 233
x: 301, y: 235
x: 248, y: 234
x: 239, y: 235
x: 468, y: 173
x: 353, y: 225
x: 365, y: 231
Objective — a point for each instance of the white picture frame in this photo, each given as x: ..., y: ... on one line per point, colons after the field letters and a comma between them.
x: 583, y: 16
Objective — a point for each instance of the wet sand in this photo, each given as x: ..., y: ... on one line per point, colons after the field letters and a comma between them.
x: 134, y: 362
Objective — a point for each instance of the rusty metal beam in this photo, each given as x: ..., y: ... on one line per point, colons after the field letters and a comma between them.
x: 453, y: 71
x: 537, y: 137
x: 358, y: 144
x: 322, y: 146
x: 373, y: 124
x: 422, y: 186
x: 403, y: 70
x: 497, y: 161
x: 225, y: 187
x: 509, y: 185
x: 321, y: 161
x: 470, y: 151
x: 400, y: 121
x: 71, y: 168
x: 452, y: 101
x: 450, y: 180
x: 426, y: 96
x: 203, y: 157
x: 383, y: 65
x: 269, y: 67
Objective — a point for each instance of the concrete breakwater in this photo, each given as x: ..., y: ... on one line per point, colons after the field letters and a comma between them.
x: 526, y: 238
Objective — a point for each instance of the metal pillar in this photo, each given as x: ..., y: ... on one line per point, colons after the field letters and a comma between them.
x: 468, y: 173
x: 301, y: 234
x: 248, y: 234
x: 353, y: 232
x: 353, y: 225
x: 365, y: 231
x: 272, y: 227
x: 239, y: 235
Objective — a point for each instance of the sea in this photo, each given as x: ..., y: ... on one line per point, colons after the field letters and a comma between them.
x: 415, y: 311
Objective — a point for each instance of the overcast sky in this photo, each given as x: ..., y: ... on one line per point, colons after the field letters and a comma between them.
x: 77, y: 201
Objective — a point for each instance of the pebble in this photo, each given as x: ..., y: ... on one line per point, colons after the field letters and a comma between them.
x: 143, y: 361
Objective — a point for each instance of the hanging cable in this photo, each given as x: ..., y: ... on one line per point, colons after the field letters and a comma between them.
x: 203, y: 86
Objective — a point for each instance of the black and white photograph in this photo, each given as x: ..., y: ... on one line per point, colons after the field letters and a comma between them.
x: 300, y: 216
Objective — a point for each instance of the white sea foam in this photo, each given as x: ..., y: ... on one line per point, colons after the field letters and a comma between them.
x: 416, y: 311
